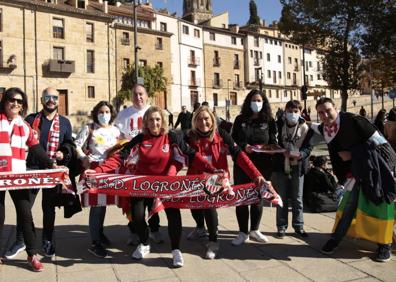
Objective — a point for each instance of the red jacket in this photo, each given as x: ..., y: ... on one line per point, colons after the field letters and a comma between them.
x: 152, y: 155
x: 216, y: 152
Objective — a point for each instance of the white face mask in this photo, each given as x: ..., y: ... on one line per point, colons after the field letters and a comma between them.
x: 256, y: 106
x: 104, y: 118
x: 292, y: 118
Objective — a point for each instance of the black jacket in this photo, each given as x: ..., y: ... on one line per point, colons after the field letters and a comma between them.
x: 373, y: 174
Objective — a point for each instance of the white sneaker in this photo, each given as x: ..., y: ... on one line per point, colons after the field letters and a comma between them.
x: 257, y: 236
x: 240, y: 239
x: 212, y: 250
x: 156, y: 237
x: 178, y: 260
x: 141, y: 251
x: 133, y: 239
x: 196, y: 234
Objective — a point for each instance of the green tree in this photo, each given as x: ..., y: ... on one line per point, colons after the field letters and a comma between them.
x: 336, y: 26
x: 254, y: 18
x: 154, y: 82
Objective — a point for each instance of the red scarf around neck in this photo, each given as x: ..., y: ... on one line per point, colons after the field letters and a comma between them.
x: 53, y: 134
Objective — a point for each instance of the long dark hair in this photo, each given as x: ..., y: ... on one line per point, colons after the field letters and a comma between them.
x: 264, y: 115
x: 392, y: 114
x: 9, y: 94
x: 95, y: 111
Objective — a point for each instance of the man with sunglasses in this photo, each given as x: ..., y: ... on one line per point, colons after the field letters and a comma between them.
x: 53, y: 132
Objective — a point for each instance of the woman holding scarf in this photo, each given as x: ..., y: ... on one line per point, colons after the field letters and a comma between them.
x: 214, y: 145
x: 150, y: 153
x: 93, y: 145
x: 254, y: 126
x: 16, y: 137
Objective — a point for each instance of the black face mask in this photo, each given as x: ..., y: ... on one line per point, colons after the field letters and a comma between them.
x: 204, y: 134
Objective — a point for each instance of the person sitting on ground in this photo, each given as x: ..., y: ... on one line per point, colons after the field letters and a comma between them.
x: 319, y: 187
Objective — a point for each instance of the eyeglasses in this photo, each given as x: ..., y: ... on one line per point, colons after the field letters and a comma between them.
x: 14, y: 100
x: 47, y: 98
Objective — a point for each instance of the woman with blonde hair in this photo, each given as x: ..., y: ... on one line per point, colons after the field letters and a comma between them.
x: 214, y: 144
x: 149, y: 153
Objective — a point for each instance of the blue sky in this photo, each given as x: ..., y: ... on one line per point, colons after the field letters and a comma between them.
x: 238, y: 10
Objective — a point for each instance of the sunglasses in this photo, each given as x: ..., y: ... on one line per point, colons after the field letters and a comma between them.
x: 14, y: 100
x: 47, y: 98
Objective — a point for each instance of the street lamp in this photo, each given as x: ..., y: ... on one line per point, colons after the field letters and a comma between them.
x: 228, y: 101
x: 135, y: 46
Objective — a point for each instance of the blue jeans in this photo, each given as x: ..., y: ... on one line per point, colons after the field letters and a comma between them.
x: 289, y: 187
x: 96, y: 220
x: 347, y: 215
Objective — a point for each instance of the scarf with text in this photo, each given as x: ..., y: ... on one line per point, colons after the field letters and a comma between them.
x: 13, y: 137
x: 53, y: 134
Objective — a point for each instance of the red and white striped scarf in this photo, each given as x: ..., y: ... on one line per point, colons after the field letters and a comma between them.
x: 13, y: 137
x: 53, y: 134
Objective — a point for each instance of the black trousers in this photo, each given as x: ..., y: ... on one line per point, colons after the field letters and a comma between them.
x: 153, y: 222
x: 138, y: 216
x: 22, y: 202
x: 2, y: 211
x: 211, y: 218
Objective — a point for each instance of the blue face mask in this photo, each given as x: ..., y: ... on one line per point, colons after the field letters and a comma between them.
x: 104, y: 119
x: 292, y: 118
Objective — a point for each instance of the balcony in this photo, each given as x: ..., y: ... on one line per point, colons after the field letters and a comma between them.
x: 237, y: 65
x: 238, y: 85
x: 256, y: 62
x: 61, y: 66
x: 159, y: 46
x: 217, y: 83
x: 193, y: 61
x: 296, y: 68
x: 125, y: 41
x: 216, y: 62
x: 194, y: 82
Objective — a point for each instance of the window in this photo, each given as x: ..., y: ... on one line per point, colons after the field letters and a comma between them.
x: 258, y: 73
x: 216, y: 79
x: 274, y: 76
x: 193, y: 78
x: 268, y: 73
x: 89, y: 32
x: 256, y: 41
x: 237, y: 82
x: 197, y: 34
x: 185, y: 29
x: 233, y: 98
x: 125, y: 38
x: 289, y: 60
x: 280, y: 74
x: 288, y: 75
x: 310, y: 64
x: 277, y: 93
x: 158, y: 43
x: 270, y: 93
x: 294, y: 78
x: 242, y: 41
x: 160, y: 64
x: 91, y: 92
x: 318, y: 66
x: 58, y: 53
x: 285, y: 93
x: 233, y: 40
x: 125, y: 63
x: 58, y: 29
x: 212, y: 36
x: 260, y: 55
x: 318, y: 76
x: 81, y: 4
x: 251, y: 53
x: 266, y: 40
x: 279, y: 59
x: 90, y: 61
x: 163, y: 26
x: 268, y: 57
x: 215, y: 99
x: 311, y: 77
x: 275, y: 42
x: 236, y: 61
x: 142, y: 63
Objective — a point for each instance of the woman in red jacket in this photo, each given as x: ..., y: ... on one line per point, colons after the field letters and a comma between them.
x: 214, y: 144
x: 149, y: 153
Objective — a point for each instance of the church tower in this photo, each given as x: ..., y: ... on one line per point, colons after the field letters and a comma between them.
x: 197, y: 10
